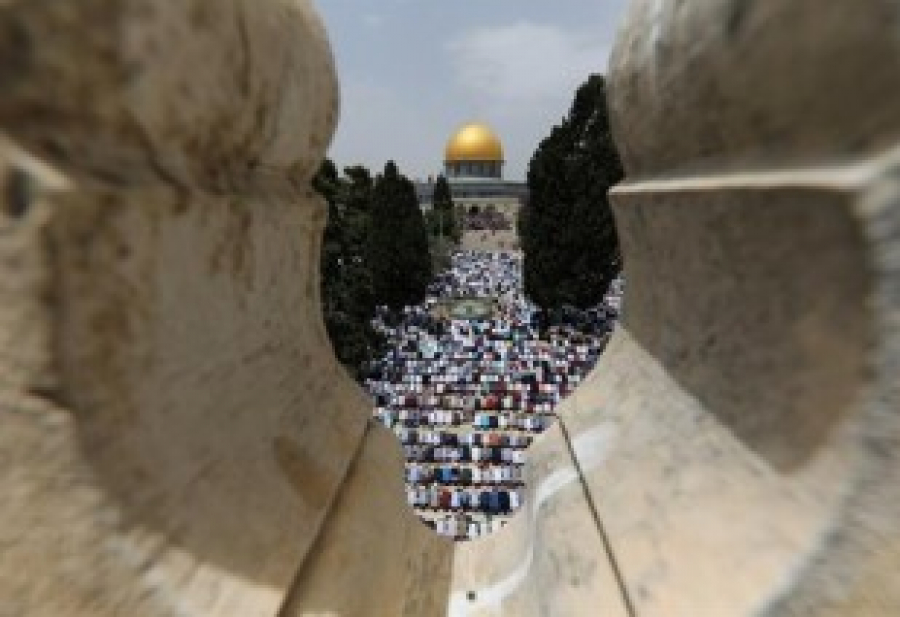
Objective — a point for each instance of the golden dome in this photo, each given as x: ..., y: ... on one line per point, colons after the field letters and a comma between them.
x: 474, y: 142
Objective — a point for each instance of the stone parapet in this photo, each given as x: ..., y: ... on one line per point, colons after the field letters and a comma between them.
x: 177, y: 438
x: 736, y: 444
x: 176, y: 434
x: 759, y: 225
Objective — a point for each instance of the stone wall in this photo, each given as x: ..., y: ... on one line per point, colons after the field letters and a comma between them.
x: 176, y: 437
x: 735, y: 450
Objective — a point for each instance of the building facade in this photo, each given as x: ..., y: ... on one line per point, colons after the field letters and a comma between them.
x: 473, y: 166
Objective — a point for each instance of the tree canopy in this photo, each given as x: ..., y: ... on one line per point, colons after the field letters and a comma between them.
x: 348, y: 299
x: 443, y: 198
x: 397, y: 247
x: 442, y: 221
x: 571, y: 251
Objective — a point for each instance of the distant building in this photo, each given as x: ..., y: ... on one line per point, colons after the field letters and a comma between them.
x: 473, y: 165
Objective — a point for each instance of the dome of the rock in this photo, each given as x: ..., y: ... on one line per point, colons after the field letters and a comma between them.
x: 474, y: 142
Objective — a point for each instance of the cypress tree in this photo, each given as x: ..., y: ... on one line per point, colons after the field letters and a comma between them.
x: 348, y: 302
x: 571, y: 251
x: 442, y: 199
x: 398, y: 251
x: 444, y: 229
x: 444, y: 222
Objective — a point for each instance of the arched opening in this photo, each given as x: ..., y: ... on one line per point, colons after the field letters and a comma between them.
x: 467, y: 374
x: 471, y: 367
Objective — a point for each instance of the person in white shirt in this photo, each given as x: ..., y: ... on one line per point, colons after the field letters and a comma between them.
x: 434, y: 498
x: 474, y: 530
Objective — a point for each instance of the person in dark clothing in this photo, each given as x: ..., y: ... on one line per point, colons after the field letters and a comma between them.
x: 493, y: 502
x: 484, y: 502
x: 466, y: 477
x: 503, y: 498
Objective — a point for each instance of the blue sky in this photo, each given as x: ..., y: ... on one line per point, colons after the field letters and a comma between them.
x: 412, y: 71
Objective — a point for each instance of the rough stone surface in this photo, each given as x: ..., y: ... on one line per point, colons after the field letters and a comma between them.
x: 748, y: 402
x: 175, y: 428
x: 374, y: 556
x: 550, y: 559
x: 205, y: 423
x: 228, y: 95
x: 740, y: 85
x: 756, y: 373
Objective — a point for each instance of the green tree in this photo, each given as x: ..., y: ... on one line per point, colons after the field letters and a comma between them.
x: 327, y: 183
x: 397, y: 248
x: 443, y: 198
x: 357, y: 205
x: 444, y: 228
x: 571, y: 251
x: 442, y: 220
x: 348, y: 300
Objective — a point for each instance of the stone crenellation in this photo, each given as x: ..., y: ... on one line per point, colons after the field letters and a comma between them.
x: 177, y: 438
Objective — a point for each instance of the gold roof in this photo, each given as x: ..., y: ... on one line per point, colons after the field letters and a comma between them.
x: 474, y: 142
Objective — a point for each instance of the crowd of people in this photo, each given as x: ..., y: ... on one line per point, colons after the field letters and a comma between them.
x: 471, y: 375
x: 486, y: 219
